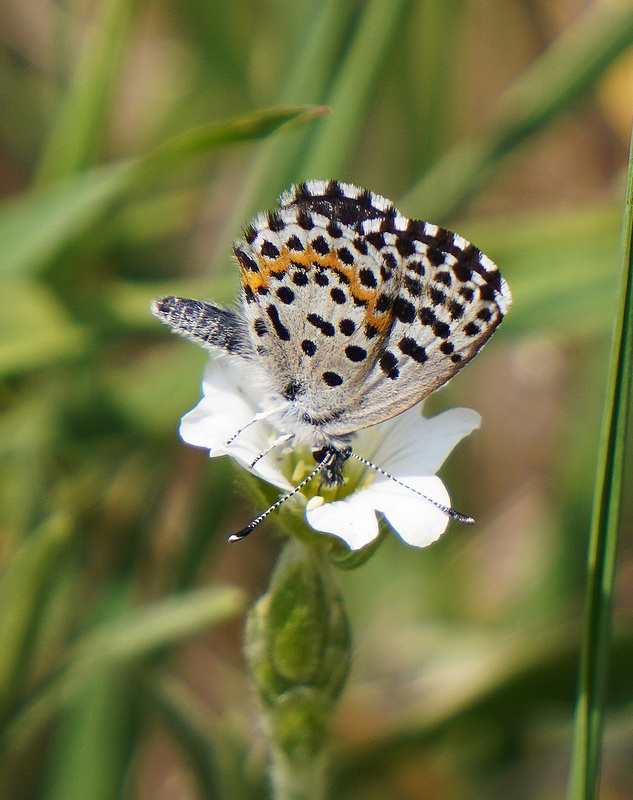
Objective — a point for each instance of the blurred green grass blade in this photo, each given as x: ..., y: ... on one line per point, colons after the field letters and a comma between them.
x: 149, y: 629
x: 35, y: 228
x: 93, y: 745
x: 35, y: 330
x: 563, y: 73
x: 190, y: 726
x: 82, y: 116
x: 587, y: 743
x: 21, y: 104
x: 431, y: 86
x: 24, y: 584
x: 152, y: 404
x: 334, y: 136
x: 120, y: 644
x: 205, y: 138
x: 28, y: 432
x: 528, y: 248
x: 275, y: 163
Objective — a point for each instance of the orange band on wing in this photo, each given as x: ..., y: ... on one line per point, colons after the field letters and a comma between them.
x: 309, y: 259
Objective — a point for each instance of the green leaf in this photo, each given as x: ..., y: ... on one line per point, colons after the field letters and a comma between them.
x: 205, y: 138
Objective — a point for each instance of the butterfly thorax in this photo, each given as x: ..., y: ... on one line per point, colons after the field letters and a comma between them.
x: 328, y: 450
x: 302, y: 419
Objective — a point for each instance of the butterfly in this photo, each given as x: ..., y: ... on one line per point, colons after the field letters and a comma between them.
x: 350, y: 313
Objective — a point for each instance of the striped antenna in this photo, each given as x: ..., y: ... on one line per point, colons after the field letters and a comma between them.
x: 450, y: 512
x: 235, y: 537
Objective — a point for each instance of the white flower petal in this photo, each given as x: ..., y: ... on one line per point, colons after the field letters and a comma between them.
x: 414, y: 518
x: 352, y: 519
x: 220, y: 413
x: 226, y: 408
x: 265, y: 468
x: 415, y: 445
x: 410, y: 447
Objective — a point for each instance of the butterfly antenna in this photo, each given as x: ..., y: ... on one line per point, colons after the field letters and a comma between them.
x: 235, y: 537
x: 258, y: 418
x: 237, y: 433
x: 450, y: 512
x: 279, y: 440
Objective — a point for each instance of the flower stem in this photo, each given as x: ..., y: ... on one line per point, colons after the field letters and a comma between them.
x: 292, y: 781
x: 297, y: 645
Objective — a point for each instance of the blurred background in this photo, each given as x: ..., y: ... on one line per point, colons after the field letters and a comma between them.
x: 136, y: 139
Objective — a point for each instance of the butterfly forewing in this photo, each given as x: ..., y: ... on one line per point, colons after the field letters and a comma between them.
x: 451, y: 300
x: 350, y: 311
x: 316, y: 301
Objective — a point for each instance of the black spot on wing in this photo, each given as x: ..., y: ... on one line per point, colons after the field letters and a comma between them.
x: 326, y: 328
x: 269, y: 250
x: 345, y: 256
x: 295, y: 244
x: 332, y: 378
x: 355, y: 353
x: 285, y: 294
x: 299, y: 278
x: 347, y: 326
x: 389, y: 364
x: 403, y: 310
x: 338, y: 295
x: 409, y: 347
x: 280, y: 329
x: 321, y: 246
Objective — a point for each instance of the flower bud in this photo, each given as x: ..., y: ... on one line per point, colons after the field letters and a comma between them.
x: 298, y: 649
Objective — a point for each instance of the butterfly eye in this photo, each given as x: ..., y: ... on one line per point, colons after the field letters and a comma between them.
x: 319, y: 455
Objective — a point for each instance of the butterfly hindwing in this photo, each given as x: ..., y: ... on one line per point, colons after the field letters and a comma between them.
x: 350, y: 311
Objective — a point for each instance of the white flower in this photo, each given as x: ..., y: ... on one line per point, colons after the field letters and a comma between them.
x: 410, y: 447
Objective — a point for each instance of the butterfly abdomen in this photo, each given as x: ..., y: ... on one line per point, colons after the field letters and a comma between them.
x: 207, y: 324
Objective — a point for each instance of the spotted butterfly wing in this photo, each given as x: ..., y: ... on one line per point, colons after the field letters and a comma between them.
x: 310, y: 298
x: 350, y: 312
x: 359, y: 311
